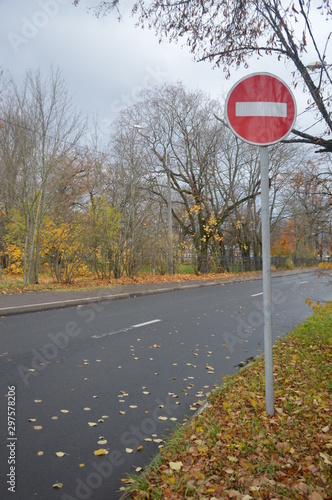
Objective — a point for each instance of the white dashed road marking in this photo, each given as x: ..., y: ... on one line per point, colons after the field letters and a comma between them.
x: 123, y: 330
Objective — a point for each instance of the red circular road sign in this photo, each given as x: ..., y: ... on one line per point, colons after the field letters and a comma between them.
x: 260, y: 109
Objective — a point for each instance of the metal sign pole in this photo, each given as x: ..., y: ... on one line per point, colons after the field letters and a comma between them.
x: 261, y: 110
x: 267, y: 301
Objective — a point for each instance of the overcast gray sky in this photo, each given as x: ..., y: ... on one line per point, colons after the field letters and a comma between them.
x: 105, y: 62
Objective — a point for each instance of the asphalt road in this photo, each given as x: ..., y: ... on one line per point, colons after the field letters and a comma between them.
x: 133, y: 368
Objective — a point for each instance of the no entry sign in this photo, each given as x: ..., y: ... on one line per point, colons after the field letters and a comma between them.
x: 260, y: 109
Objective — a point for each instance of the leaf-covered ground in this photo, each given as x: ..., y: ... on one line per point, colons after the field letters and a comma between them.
x: 233, y: 449
x: 14, y: 284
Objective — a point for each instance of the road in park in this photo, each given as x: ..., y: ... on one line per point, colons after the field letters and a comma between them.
x: 133, y: 368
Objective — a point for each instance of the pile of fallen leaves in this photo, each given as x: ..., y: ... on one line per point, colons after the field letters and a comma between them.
x: 233, y: 449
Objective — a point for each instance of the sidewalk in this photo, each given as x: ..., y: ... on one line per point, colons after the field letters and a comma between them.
x: 20, y: 303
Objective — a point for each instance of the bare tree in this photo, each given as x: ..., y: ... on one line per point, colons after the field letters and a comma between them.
x: 186, y: 144
x: 230, y: 33
x: 309, y: 212
x: 130, y: 191
x: 40, y: 130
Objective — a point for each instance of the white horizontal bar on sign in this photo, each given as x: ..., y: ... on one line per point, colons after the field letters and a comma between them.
x: 278, y: 109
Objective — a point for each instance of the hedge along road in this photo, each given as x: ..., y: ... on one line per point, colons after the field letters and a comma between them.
x: 118, y: 375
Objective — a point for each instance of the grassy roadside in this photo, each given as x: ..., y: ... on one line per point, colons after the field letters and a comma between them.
x: 234, y: 450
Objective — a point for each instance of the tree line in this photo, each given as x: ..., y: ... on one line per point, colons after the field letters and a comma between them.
x: 170, y: 185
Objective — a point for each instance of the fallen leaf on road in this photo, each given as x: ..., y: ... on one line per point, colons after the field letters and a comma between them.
x: 100, y: 452
x: 57, y: 486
